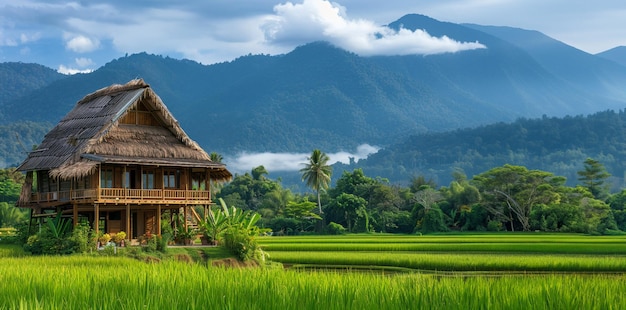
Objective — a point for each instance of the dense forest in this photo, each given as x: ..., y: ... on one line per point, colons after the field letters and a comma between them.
x: 19, y: 138
x: 558, y: 145
x: 504, y: 198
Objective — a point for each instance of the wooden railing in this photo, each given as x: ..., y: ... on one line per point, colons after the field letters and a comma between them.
x: 124, y: 195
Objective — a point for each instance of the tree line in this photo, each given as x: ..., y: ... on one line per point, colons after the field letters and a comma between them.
x: 505, y: 198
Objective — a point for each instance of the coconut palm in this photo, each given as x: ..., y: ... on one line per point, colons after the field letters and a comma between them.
x: 215, y: 186
x: 317, y: 173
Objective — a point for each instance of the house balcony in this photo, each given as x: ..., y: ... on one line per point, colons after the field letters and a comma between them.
x: 124, y: 196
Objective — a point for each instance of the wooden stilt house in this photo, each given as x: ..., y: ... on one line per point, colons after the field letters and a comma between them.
x: 118, y: 160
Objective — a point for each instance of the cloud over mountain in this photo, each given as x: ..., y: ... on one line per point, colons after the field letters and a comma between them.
x: 321, y: 20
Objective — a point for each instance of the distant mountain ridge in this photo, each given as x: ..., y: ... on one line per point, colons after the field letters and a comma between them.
x: 616, y: 54
x: 557, y: 145
x: 319, y: 96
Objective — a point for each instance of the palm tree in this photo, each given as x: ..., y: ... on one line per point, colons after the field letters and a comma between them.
x: 215, y: 186
x: 316, y: 173
x: 216, y: 157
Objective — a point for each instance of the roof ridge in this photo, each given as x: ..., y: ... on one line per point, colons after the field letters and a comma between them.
x: 115, y: 88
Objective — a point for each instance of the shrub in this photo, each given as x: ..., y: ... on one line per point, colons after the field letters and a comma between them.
x: 433, y: 221
x: 335, y: 229
x: 83, y: 238
x: 240, y: 243
x: 494, y: 225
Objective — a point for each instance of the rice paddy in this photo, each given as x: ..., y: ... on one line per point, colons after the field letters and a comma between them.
x: 585, y: 279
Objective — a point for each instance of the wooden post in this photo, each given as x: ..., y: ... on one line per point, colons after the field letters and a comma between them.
x: 75, y: 215
x: 99, y: 183
x: 185, y: 217
x: 158, y: 221
x: 128, y: 222
x: 96, y: 220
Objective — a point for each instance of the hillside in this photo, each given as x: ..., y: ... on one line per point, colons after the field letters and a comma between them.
x: 616, y: 54
x: 19, y: 79
x: 557, y: 145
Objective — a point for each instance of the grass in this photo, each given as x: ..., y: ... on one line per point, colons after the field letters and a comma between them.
x: 80, y: 282
x: 458, y: 261
x: 507, y: 275
x: 489, y: 243
x: 11, y: 250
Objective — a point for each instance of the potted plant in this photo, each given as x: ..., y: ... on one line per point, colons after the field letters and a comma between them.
x: 187, y: 235
x: 119, y: 238
x: 104, y: 239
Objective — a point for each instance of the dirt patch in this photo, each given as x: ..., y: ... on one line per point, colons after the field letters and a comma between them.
x: 185, y: 258
x: 234, y: 263
x: 151, y: 259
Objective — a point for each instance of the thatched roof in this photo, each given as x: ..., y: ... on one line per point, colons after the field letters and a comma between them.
x: 91, y: 134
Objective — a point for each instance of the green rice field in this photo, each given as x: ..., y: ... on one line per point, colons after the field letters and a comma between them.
x: 545, y: 253
x: 589, y: 278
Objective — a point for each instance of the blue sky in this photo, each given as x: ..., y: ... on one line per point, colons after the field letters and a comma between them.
x: 84, y: 35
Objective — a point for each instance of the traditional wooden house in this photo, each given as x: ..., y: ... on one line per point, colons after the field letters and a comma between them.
x: 118, y: 160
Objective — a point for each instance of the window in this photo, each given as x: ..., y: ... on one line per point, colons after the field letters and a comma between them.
x: 106, y: 178
x: 147, y: 180
x: 170, y: 178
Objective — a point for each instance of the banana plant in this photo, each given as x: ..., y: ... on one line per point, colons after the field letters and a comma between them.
x: 216, y: 222
x: 58, y: 226
x: 224, y: 218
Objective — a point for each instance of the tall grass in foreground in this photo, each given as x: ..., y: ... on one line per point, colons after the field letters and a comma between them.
x: 11, y: 250
x: 114, y: 283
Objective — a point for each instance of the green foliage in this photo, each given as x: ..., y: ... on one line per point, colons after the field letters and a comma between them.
x: 317, y: 174
x: 511, y: 192
x: 237, y: 229
x: 21, y: 78
x: 247, y: 191
x: 432, y: 221
x: 59, y: 227
x: 352, y: 207
x: 558, y: 145
x: 17, y: 138
x: 241, y: 243
x: 283, y: 225
x: 593, y: 177
x: 10, y: 185
x: 58, y: 238
x: 11, y: 216
x: 335, y: 229
x: 216, y: 222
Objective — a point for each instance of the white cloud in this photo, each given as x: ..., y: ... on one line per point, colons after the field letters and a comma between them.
x: 313, y: 20
x: 69, y: 71
x: 292, y: 161
x: 82, y: 44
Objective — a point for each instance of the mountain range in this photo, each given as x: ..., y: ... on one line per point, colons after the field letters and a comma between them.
x: 320, y: 96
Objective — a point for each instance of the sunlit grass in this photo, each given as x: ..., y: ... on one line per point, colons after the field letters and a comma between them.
x: 510, y: 243
x: 483, y: 271
x: 82, y: 282
x: 458, y: 261
x: 11, y: 250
